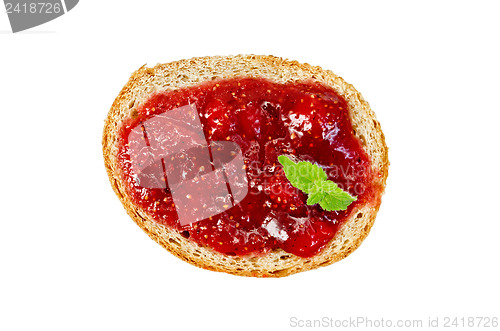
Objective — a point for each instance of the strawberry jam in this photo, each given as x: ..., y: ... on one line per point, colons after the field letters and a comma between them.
x: 258, y: 120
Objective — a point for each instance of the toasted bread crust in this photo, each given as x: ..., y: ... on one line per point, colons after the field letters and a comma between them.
x: 185, y: 73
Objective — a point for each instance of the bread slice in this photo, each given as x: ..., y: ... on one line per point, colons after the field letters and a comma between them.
x: 186, y: 73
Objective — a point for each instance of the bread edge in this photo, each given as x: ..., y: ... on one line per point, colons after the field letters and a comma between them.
x: 277, y: 263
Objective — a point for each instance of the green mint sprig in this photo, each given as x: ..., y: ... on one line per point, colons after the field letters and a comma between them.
x: 312, y: 180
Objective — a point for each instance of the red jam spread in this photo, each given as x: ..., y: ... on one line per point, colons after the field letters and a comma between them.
x: 217, y: 144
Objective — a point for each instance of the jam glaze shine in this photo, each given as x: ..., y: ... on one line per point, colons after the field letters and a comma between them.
x: 305, y: 120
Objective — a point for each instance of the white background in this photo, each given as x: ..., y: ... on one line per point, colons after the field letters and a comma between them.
x: 70, y: 257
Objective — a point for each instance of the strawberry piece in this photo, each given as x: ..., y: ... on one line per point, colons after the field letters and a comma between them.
x: 218, y: 118
x: 306, y: 235
x: 282, y: 195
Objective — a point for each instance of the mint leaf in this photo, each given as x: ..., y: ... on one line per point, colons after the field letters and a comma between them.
x: 301, y: 175
x: 315, y: 197
x: 311, y: 179
x: 335, y: 198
